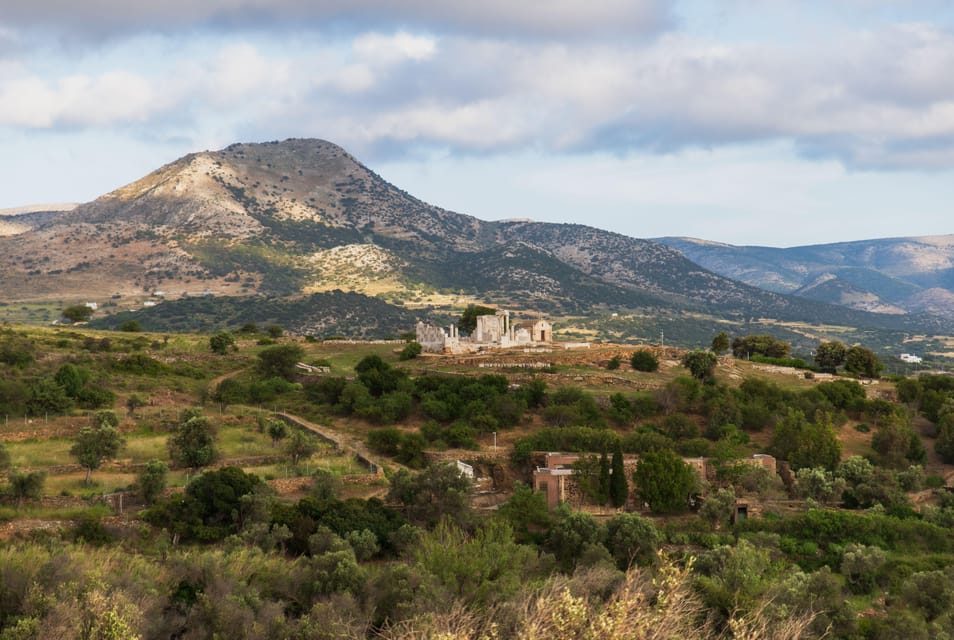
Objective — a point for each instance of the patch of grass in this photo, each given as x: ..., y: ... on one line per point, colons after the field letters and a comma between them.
x: 40, y: 453
x: 40, y: 513
x: 74, y: 485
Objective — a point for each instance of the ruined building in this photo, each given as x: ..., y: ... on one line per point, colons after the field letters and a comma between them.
x: 492, y: 332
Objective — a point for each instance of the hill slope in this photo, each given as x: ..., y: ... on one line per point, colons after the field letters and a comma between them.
x: 302, y: 216
x: 893, y: 275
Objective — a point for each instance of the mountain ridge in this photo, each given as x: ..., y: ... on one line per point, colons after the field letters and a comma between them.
x: 893, y: 274
x: 259, y: 219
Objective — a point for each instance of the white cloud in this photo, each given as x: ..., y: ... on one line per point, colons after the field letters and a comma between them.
x: 388, y: 49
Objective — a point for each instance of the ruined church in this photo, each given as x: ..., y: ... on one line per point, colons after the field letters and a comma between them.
x: 492, y: 332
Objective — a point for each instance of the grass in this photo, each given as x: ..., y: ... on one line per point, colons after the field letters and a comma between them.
x: 40, y: 453
x: 75, y: 485
x: 33, y: 511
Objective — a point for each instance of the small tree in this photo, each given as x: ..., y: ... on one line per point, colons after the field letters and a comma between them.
x: 701, y: 364
x: 193, y: 442
x: 77, y: 313
x: 643, y: 360
x: 862, y: 362
x: 152, y: 480
x: 614, y: 362
x: 130, y: 326
x: 134, y: 402
x: 277, y: 430
x: 619, y: 487
x: 300, y: 445
x: 221, y: 342
x: 830, y: 355
x: 720, y: 343
x: 26, y: 485
x: 93, y: 446
x: 468, y: 319
x: 632, y: 539
x: 279, y: 361
x: 665, y: 482
x: 604, y: 481
x: 275, y: 331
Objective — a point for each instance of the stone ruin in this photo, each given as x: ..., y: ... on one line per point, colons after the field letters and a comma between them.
x: 492, y: 332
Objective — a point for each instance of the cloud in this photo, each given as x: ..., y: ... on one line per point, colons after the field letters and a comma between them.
x: 872, y: 98
x: 535, y: 18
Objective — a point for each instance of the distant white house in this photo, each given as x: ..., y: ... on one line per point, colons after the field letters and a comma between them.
x: 910, y: 358
x: 92, y: 305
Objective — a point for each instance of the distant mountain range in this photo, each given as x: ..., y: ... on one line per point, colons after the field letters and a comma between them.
x: 298, y: 219
x: 891, y: 275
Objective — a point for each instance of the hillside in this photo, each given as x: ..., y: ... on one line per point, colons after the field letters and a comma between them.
x: 253, y: 527
x: 891, y: 275
x: 304, y: 216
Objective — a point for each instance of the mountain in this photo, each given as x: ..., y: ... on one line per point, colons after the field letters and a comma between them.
x: 890, y: 275
x: 303, y: 217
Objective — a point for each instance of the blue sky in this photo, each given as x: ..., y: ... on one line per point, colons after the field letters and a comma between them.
x: 777, y: 122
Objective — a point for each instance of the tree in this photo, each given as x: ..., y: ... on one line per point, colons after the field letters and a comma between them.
x: 300, y: 445
x: 619, y: 487
x: 719, y: 507
x: 665, y: 482
x: 644, y: 360
x: 806, y: 444
x: 632, y: 539
x: 134, y: 402
x: 760, y: 345
x: 277, y: 430
x: 701, y: 364
x: 279, y: 361
x: 862, y: 362
x: 152, y: 480
x: 77, y: 313
x: 26, y: 485
x: 573, y: 535
x: 468, y: 319
x: 130, y: 326
x: 897, y: 444
x: 830, y: 355
x: 193, y: 442
x: 221, y: 342
x: 378, y: 376
x: 944, y: 445
x: 586, y: 475
x: 720, y: 343
x: 93, y: 446
x: 614, y: 362
x: 604, y: 480
x: 72, y: 379
x: 524, y: 510
x: 439, y: 490
x: 275, y: 331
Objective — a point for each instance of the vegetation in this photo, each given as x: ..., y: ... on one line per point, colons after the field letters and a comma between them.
x: 219, y: 552
x: 644, y: 360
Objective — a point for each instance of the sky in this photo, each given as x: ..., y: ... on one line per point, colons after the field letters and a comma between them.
x: 769, y: 122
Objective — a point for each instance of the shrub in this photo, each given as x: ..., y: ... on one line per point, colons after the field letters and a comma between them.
x: 643, y: 360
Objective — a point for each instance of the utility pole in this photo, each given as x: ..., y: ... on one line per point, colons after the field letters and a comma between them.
x: 662, y: 338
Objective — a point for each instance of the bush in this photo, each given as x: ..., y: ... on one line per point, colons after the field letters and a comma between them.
x: 644, y: 361
x: 410, y: 351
